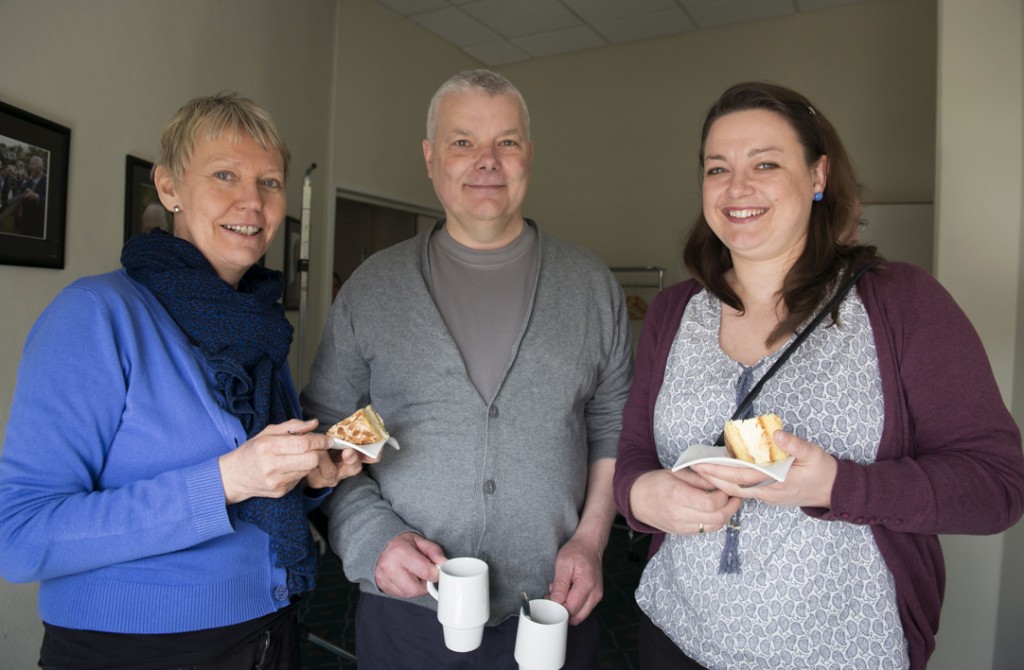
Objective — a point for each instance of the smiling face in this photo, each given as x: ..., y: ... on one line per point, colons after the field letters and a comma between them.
x: 758, y: 187
x: 479, y: 161
x: 232, y: 201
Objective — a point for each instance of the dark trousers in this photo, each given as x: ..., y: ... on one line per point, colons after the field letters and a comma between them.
x: 658, y: 651
x: 397, y: 635
x: 269, y: 643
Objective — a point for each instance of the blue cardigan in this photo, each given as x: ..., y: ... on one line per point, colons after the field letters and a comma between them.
x: 110, y: 490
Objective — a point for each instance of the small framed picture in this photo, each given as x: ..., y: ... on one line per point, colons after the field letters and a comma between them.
x: 33, y: 188
x: 142, y: 208
x: 292, y: 242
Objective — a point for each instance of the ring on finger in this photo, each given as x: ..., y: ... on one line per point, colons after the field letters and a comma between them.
x: 700, y: 529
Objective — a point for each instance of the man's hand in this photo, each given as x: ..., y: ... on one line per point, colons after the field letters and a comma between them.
x: 407, y: 564
x: 578, y: 584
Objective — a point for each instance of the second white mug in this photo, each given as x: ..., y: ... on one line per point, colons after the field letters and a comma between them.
x: 540, y: 639
x: 463, y: 602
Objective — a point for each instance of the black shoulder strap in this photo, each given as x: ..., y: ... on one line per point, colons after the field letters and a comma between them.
x: 801, y: 336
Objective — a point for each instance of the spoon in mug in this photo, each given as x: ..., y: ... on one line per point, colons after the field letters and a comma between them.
x: 526, y: 605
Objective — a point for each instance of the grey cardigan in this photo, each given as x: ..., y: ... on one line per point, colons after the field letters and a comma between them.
x: 504, y: 482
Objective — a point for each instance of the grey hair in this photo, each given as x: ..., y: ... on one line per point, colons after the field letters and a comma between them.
x: 480, y: 81
x: 216, y: 115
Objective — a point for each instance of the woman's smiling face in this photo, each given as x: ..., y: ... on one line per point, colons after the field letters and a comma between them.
x: 232, y: 200
x: 758, y: 188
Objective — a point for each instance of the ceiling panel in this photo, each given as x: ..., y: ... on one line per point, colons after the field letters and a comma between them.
x: 522, y: 17
x: 648, y: 26
x: 603, y: 11
x: 456, y: 27
x: 496, y: 32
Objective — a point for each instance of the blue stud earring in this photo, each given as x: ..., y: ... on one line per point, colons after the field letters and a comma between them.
x: 818, y: 196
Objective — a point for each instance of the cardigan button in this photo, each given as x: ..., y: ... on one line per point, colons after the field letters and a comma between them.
x: 493, y: 412
x: 280, y: 593
x: 490, y: 487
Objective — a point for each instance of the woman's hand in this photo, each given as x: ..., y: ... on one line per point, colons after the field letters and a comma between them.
x: 272, y: 463
x: 681, y: 503
x: 335, y: 465
x: 808, y: 484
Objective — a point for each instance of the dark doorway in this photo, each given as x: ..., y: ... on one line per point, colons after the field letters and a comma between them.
x: 364, y: 227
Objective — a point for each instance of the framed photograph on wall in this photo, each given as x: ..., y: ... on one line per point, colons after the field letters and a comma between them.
x: 142, y: 208
x: 33, y: 188
x: 292, y: 240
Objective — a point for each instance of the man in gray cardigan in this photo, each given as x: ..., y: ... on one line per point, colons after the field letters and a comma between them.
x: 500, y: 359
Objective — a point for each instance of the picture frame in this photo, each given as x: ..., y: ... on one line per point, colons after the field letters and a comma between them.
x: 143, y: 210
x: 292, y: 242
x: 34, y: 155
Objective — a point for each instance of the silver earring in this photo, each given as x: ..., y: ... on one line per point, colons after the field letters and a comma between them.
x: 177, y: 209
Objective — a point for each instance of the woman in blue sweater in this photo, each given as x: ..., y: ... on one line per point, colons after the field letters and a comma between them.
x: 155, y: 477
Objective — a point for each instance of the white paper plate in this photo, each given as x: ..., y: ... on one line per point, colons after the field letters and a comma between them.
x: 702, y: 453
x: 372, y: 450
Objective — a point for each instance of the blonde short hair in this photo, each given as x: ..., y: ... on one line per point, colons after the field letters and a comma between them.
x: 217, y: 115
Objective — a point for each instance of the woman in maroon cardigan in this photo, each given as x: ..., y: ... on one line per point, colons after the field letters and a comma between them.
x: 892, y: 415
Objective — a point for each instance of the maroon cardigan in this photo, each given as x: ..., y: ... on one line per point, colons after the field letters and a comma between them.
x: 950, y: 458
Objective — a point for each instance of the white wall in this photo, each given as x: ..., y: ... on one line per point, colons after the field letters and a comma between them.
x: 114, y: 71
x: 980, y: 169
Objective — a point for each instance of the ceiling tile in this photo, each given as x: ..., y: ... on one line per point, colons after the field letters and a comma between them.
x: 546, y: 27
x: 725, y: 12
x: 522, y: 17
x: 560, y: 42
x: 456, y: 27
x: 407, y: 7
x: 497, y: 53
x: 603, y: 11
x: 810, y: 5
x: 645, y: 27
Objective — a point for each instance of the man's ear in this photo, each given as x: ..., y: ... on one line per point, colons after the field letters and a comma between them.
x: 165, y: 187
x: 428, y: 156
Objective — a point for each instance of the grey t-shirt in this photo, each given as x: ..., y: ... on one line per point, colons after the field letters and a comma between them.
x: 483, y: 297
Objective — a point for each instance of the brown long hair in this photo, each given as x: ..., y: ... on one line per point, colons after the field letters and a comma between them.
x: 828, y: 254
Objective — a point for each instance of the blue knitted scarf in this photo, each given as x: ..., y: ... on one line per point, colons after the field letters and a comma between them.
x: 245, y: 338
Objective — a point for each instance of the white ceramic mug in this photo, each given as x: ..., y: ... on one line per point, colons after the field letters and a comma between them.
x: 463, y: 602
x: 540, y: 639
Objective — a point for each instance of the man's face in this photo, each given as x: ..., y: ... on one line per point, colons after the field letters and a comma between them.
x: 35, y: 166
x: 479, y: 162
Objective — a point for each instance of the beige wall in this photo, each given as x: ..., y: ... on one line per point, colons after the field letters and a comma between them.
x: 980, y: 169
x: 113, y: 71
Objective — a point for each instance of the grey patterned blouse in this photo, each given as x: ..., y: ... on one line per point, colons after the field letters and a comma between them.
x: 810, y: 593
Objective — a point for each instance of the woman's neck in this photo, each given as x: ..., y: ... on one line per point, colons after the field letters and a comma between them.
x: 758, y: 283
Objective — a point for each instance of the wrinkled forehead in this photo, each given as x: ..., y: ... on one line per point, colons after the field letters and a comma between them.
x: 467, y: 109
